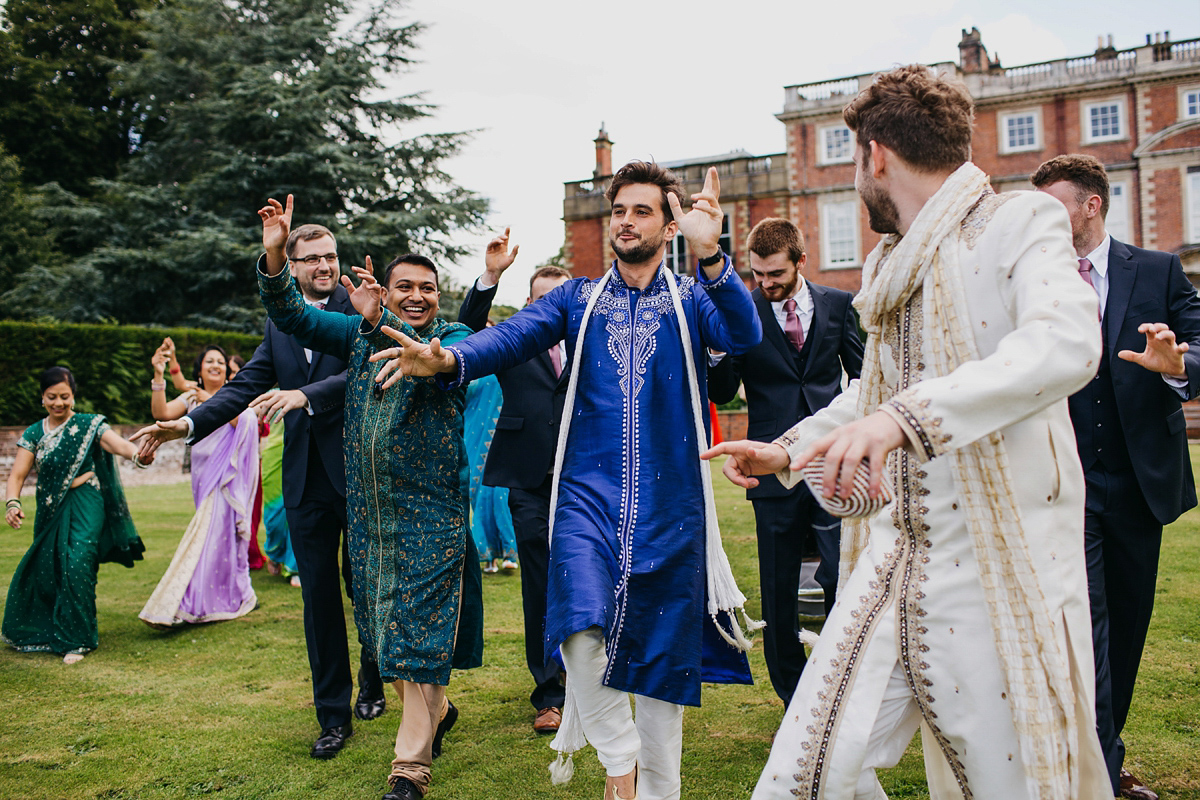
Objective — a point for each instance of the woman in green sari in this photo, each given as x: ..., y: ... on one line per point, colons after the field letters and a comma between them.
x: 82, y: 521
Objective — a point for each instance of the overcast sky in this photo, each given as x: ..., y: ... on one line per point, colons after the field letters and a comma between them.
x: 676, y: 80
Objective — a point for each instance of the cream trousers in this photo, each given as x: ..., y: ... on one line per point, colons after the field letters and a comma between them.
x: 654, y: 742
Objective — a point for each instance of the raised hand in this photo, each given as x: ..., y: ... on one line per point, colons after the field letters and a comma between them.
x: 413, y: 358
x: 154, y: 435
x: 1162, y: 354
x: 498, y: 257
x: 747, y: 459
x: 367, y: 298
x: 274, y: 406
x: 161, y: 358
x: 701, y: 226
x: 277, y: 224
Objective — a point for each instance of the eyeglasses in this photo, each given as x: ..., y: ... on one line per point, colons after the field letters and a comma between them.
x: 312, y: 261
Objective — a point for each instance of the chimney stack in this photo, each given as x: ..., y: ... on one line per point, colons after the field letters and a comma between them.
x: 972, y: 55
x: 603, y: 154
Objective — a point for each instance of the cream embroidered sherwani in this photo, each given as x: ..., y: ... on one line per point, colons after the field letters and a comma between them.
x: 913, y: 610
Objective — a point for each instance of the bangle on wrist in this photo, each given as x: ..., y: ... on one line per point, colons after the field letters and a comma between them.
x: 137, y: 461
x: 158, y: 386
x: 12, y: 502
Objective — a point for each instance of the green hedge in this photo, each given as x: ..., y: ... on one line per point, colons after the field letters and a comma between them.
x: 111, y: 365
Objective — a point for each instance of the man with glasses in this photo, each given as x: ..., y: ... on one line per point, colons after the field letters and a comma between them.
x: 311, y: 396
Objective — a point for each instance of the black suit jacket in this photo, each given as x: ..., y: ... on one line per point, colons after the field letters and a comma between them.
x: 522, y: 452
x: 1150, y: 286
x: 280, y: 360
x: 774, y: 387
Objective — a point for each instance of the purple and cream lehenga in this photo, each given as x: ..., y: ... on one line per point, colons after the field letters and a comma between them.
x: 209, y: 577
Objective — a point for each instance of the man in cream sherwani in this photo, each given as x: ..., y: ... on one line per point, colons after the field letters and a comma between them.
x: 962, y: 605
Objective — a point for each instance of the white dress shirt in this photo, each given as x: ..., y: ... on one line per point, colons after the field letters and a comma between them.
x: 1099, y: 259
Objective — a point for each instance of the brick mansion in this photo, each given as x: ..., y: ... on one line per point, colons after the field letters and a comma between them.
x: 1137, y: 110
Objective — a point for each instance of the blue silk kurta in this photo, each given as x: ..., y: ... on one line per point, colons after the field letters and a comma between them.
x: 417, y: 589
x: 628, y: 549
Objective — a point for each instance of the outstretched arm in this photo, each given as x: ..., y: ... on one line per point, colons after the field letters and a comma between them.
x: 153, y: 436
x: 112, y: 442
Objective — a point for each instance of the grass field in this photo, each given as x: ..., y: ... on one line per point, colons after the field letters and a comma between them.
x: 226, y: 709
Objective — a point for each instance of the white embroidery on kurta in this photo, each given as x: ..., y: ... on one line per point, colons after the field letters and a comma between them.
x: 631, y: 342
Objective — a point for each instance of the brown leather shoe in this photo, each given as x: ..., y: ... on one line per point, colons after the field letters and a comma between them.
x: 548, y: 720
x: 1133, y: 788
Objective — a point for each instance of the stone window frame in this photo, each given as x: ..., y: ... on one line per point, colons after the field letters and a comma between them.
x: 1002, y: 120
x: 1184, y: 92
x: 846, y: 203
x: 823, y: 156
x: 1085, y: 114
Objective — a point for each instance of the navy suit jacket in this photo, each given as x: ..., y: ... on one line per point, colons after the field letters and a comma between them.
x: 280, y: 360
x: 1150, y: 286
x: 522, y: 451
x: 774, y: 387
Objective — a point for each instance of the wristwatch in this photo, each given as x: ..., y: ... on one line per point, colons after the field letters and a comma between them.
x: 713, y: 259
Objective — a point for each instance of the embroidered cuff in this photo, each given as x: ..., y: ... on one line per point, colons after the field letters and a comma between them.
x: 922, y: 430
x: 445, y: 380
x: 727, y: 271
x: 272, y: 284
x: 375, y: 335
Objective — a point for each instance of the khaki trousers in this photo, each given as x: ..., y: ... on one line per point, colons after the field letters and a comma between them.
x: 424, y: 706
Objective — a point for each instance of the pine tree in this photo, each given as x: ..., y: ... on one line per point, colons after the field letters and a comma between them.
x: 236, y: 101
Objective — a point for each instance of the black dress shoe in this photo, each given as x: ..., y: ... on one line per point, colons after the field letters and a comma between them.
x: 446, y: 724
x: 367, y: 707
x: 403, y: 790
x: 331, y: 741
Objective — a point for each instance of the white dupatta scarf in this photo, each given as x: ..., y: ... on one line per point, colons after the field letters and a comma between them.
x: 723, y: 592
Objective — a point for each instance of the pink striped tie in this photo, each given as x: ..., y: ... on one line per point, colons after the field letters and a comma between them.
x: 792, y: 326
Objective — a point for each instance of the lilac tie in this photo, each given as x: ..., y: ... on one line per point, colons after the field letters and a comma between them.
x: 556, y: 360
x: 791, y: 326
x: 1085, y: 272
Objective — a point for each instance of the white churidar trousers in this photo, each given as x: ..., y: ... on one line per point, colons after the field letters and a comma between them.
x: 654, y: 743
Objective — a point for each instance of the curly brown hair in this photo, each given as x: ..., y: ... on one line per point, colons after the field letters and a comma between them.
x: 1085, y: 173
x: 647, y: 172
x: 923, y: 117
x: 776, y: 235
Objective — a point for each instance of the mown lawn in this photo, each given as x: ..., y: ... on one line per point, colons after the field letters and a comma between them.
x: 226, y: 709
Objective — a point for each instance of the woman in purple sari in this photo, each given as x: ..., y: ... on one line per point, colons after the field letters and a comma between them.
x: 209, y: 577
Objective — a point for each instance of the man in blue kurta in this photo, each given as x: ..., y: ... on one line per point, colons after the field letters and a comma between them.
x: 634, y: 552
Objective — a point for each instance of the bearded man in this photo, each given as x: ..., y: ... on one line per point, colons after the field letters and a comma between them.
x: 634, y: 546
x: 962, y: 604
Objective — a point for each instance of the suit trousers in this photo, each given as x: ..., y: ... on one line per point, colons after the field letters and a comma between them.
x: 530, y: 511
x: 316, y: 527
x: 786, y: 527
x: 1122, y: 538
